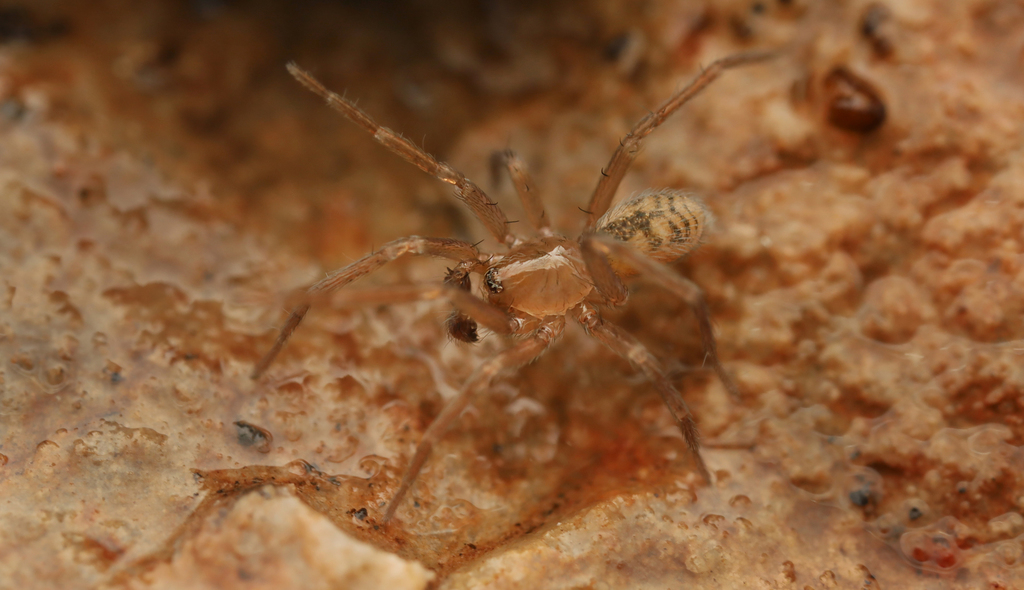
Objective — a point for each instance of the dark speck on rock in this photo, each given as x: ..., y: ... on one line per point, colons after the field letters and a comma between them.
x: 859, y: 497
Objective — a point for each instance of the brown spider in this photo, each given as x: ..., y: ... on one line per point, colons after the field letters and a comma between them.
x: 532, y: 287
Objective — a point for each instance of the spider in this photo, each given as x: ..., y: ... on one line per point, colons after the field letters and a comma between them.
x: 530, y: 289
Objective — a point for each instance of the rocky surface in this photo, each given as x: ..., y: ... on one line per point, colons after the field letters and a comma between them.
x: 162, y: 196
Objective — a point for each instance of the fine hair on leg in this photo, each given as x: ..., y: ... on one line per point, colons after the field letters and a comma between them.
x: 664, y: 276
x: 526, y: 188
x: 439, y: 247
x: 474, y: 197
x: 479, y: 311
x: 518, y: 355
x: 629, y: 348
x: 629, y: 146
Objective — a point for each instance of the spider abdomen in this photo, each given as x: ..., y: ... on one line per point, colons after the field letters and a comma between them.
x: 663, y: 224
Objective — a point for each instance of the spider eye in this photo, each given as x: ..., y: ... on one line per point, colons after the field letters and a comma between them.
x: 492, y: 282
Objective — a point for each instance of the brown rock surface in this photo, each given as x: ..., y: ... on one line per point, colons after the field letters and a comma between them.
x: 270, y: 539
x: 164, y: 185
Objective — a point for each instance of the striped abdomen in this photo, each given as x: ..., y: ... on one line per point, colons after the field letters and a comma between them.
x: 664, y: 224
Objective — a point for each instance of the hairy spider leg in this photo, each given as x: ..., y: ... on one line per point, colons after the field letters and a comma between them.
x: 440, y: 247
x: 521, y: 353
x: 526, y: 188
x: 629, y: 348
x: 663, y: 275
x: 629, y: 147
x: 493, y: 318
x: 474, y: 197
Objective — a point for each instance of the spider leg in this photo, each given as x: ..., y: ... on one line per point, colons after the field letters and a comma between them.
x: 518, y: 355
x: 441, y: 247
x: 478, y: 310
x: 629, y: 348
x: 663, y: 275
x: 607, y: 283
x: 466, y: 191
x: 527, y: 191
x: 629, y: 147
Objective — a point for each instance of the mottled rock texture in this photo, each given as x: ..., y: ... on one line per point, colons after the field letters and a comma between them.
x: 165, y: 187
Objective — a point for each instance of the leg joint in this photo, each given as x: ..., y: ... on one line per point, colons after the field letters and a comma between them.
x: 590, y: 319
x: 549, y: 331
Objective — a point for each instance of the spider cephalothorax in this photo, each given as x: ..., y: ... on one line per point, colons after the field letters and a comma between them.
x: 530, y: 289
